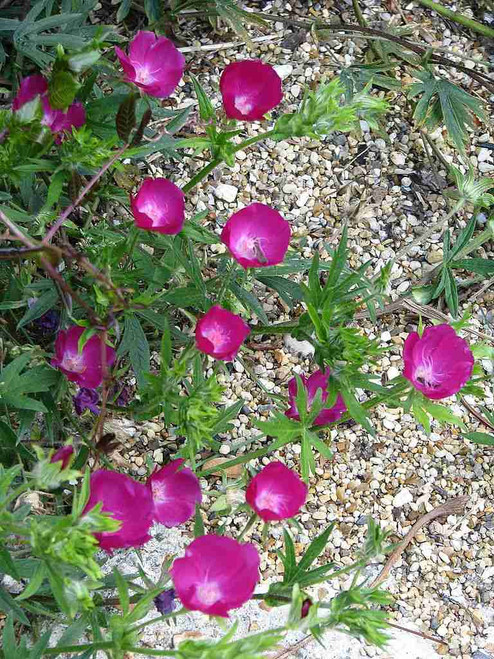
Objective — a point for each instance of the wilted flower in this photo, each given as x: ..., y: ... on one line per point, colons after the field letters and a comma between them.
x: 159, y: 205
x: 318, y: 380
x: 220, y: 333
x: 165, y: 601
x: 63, y: 455
x: 83, y: 367
x: 153, y: 64
x: 438, y: 363
x: 306, y: 604
x: 86, y: 399
x: 216, y: 574
x: 257, y: 236
x: 276, y: 493
x: 29, y: 88
x: 123, y: 394
x: 250, y: 89
x: 127, y: 501
x: 58, y: 121
x: 175, y: 492
x: 47, y: 323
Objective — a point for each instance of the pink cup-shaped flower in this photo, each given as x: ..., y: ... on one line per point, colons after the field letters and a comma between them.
x: 257, y: 236
x: 63, y: 455
x: 60, y: 122
x: 175, y: 493
x: 85, y: 367
x: 318, y: 380
x: 250, y: 89
x: 153, y: 64
x: 439, y: 363
x: 276, y: 493
x: 216, y: 574
x: 126, y: 500
x: 29, y: 88
x: 220, y: 333
x: 159, y: 205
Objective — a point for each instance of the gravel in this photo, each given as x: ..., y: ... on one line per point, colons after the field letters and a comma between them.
x: 387, y: 191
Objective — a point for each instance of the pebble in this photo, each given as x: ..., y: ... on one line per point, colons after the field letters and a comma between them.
x: 283, y: 70
x: 398, y: 158
x: 402, y: 497
x: 225, y: 449
x: 226, y: 192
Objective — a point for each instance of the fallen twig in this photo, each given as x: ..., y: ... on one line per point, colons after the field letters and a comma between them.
x: 452, y: 507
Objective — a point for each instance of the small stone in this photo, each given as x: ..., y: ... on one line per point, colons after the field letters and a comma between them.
x: 186, y: 636
x: 398, y: 158
x: 225, y: 449
x: 385, y: 337
x: 283, y: 70
x: 435, y: 256
x: 295, y: 90
x: 402, y: 497
x: 226, y: 192
x: 393, y: 372
x: 232, y: 472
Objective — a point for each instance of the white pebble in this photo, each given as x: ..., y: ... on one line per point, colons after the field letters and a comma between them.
x: 226, y: 192
x: 402, y: 497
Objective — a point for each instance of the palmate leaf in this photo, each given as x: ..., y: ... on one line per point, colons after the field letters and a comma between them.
x: 443, y: 101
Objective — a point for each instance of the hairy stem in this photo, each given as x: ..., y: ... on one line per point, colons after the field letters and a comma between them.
x: 485, y: 30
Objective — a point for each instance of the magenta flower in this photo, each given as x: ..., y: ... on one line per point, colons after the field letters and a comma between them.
x: 84, y: 367
x: 153, y: 64
x: 59, y: 122
x: 126, y: 500
x: 257, y: 236
x: 220, y: 333
x: 63, y: 455
x: 175, y: 493
x: 250, y: 89
x: 276, y: 493
x: 29, y: 88
x: 216, y: 574
x: 439, y: 363
x: 318, y: 380
x: 159, y: 205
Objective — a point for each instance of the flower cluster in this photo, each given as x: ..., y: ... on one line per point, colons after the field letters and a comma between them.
x: 58, y: 121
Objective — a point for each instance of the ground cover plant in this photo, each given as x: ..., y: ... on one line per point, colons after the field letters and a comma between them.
x: 113, y: 302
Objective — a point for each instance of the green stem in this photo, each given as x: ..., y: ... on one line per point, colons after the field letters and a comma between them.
x: 248, y: 526
x: 237, y: 461
x: 167, y: 616
x: 154, y: 653
x: 232, y: 270
x: 459, y: 18
x: 99, y: 645
x: 201, y: 174
x: 279, y: 328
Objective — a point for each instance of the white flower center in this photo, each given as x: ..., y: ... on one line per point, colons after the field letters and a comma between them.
x: 143, y: 76
x: 250, y: 247
x: 424, y: 373
x: 208, y: 593
x: 73, y: 363
x: 243, y: 104
x: 158, y: 489
x: 152, y: 210
x: 267, y: 500
x: 216, y: 335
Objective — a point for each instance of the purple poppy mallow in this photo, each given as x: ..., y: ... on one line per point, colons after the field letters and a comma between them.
x: 63, y: 455
x: 127, y: 501
x: 216, y: 574
x: 59, y: 122
x: 84, y: 367
x: 250, y: 88
x: 86, y: 399
x: 159, y: 205
x: 176, y: 491
x: 318, y: 380
x: 30, y: 87
x: 438, y: 363
x: 153, y: 64
x: 257, y: 236
x: 165, y: 602
x: 220, y: 333
x: 276, y: 493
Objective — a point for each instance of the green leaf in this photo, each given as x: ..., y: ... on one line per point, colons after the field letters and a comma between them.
x: 442, y: 414
x: 198, y: 522
x: 43, y: 304
x: 451, y: 293
x: 288, y: 558
x: 126, y: 117
x: 315, y: 548
x: 355, y: 409
x: 206, y: 109
x: 225, y: 416
x: 135, y: 343
x: 480, y: 438
x: 10, y: 448
x: 9, y: 606
x: 7, y: 565
x: 421, y: 415
x: 249, y: 301
x: 62, y: 90
x: 123, y: 10
x: 153, y: 10
x: 34, y: 583
x: 288, y: 290
x: 123, y: 591
x: 483, y: 267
